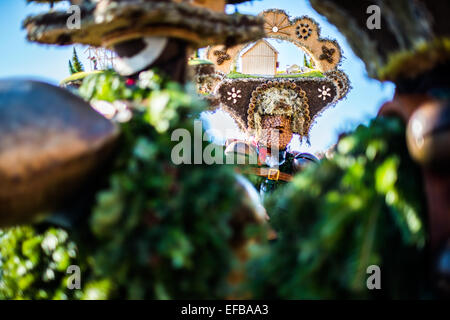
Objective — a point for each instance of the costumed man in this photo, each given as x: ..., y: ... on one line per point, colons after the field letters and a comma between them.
x: 128, y: 219
x: 270, y: 110
x: 373, y: 221
x: 268, y: 152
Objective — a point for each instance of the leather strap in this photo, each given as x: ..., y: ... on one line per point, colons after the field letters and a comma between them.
x: 271, y: 174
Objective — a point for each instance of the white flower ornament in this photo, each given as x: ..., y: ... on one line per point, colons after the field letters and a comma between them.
x: 234, y: 95
x: 324, y: 93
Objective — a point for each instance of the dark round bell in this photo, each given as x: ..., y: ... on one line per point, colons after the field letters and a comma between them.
x: 442, y: 270
x: 428, y: 135
x: 51, y: 142
x: 303, y: 160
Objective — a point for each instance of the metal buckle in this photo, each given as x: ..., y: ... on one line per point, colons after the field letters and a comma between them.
x: 274, y: 174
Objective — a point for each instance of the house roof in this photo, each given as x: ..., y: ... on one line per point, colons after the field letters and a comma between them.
x: 257, y: 43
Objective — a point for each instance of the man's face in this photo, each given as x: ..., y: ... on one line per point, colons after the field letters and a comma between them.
x: 276, y: 131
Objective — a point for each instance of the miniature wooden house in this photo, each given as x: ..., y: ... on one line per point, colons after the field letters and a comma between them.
x: 261, y: 59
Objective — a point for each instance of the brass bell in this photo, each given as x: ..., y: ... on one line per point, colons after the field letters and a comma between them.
x: 442, y: 270
x: 303, y: 160
x: 428, y: 135
x: 51, y: 145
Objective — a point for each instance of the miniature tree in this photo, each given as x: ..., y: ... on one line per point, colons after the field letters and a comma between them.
x: 76, y: 63
x: 71, y: 68
x: 307, y: 62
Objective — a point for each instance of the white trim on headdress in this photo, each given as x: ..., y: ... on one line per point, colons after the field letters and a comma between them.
x: 154, y: 46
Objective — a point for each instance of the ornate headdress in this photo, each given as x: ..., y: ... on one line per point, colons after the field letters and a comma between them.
x: 301, y: 97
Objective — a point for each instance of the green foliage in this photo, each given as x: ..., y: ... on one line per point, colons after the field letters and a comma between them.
x: 156, y: 231
x: 360, y: 208
x: 33, y: 264
x: 162, y: 230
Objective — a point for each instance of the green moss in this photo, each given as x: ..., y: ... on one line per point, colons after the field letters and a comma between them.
x: 238, y: 75
x: 312, y: 74
x: 196, y: 62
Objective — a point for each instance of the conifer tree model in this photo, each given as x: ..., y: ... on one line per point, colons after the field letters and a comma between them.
x: 71, y: 68
x: 76, y: 63
x: 307, y: 62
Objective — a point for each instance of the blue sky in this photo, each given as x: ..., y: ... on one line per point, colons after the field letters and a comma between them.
x: 20, y: 58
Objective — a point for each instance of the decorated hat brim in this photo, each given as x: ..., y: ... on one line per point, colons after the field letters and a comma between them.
x: 235, y: 96
x: 120, y: 21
